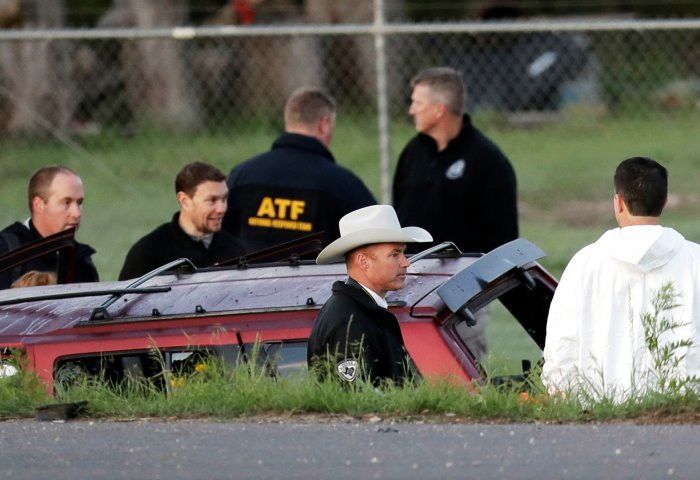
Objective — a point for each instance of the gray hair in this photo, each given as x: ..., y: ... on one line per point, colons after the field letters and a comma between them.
x: 445, y: 85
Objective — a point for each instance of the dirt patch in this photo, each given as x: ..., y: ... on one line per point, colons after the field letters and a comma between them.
x: 586, y: 213
x: 575, y: 213
x: 661, y: 416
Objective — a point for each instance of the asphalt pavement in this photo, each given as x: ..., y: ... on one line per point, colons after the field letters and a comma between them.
x: 344, y: 450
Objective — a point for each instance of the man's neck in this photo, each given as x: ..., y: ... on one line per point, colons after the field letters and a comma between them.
x: 446, y: 132
x: 636, y: 221
x: 37, y: 226
x: 308, y: 132
x: 378, y: 298
x: 188, y: 228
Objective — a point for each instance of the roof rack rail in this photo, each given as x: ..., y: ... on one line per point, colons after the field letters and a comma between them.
x: 447, y: 248
x: 306, y: 247
x: 101, y: 313
x: 82, y: 293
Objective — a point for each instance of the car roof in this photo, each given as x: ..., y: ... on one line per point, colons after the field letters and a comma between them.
x: 260, y: 288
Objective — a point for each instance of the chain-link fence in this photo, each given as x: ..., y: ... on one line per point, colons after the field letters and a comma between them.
x: 120, y: 87
x: 127, y: 108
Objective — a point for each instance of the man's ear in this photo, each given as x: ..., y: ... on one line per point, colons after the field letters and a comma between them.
x: 619, y: 204
x: 184, y: 200
x: 38, y: 204
x: 325, y: 124
x: 361, y: 259
x: 441, y: 109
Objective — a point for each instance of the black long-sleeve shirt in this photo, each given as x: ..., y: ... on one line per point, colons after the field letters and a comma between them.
x: 465, y: 193
x: 293, y: 190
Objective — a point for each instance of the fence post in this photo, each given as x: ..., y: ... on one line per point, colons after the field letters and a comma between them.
x: 382, y: 102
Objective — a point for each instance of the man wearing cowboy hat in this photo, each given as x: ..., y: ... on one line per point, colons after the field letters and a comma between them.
x: 354, y: 331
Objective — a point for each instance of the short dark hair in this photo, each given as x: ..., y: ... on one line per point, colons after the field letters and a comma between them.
x: 446, y: 84
x: 40, y: 182
x: 643, y: 185
x: 306, y: 106
x: 194, y: 174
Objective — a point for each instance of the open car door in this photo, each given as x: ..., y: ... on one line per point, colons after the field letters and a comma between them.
x: 511, y: 274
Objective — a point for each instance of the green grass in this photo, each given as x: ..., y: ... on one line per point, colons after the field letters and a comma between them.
x: 242, y: 392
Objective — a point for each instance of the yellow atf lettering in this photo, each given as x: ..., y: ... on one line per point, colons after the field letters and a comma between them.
x: 282, y: 204
x: 297, y: 209
x: 266, y: 208
x: 281, y: 213
x: 280, y: 224
x: 281, y: 208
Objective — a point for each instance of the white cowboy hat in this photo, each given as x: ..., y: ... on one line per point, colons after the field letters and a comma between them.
x: 374, y: 224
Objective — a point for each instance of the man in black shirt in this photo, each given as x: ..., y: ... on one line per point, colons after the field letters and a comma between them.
x: 55, y: 196
x: 471, y: 184
x: 354, y: 331
x: 194, y: 232
x: 471, y: 188
x: 296, y: 188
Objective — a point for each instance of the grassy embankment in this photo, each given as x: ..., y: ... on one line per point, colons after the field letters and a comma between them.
x: 212, y: 391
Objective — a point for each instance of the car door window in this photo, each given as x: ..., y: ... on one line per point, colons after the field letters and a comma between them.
x: 507, y: 344
x: 287, y: 358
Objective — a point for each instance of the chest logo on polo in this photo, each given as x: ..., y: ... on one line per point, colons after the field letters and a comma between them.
x: 456, y: 170
x: 347, y: 369
x: 281, y: 213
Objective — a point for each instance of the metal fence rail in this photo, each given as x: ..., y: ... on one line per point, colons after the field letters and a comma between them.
x: 96, y: 90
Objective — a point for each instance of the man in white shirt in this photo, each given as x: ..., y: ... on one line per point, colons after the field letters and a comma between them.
x: 595, y: 339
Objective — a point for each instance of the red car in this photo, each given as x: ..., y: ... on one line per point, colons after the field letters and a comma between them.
x: 112, y: 328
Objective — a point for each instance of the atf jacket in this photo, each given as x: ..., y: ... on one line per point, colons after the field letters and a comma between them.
x: 465, y: 194
x: 360, y: 336
x: 169, y: 242
x: 84, y: 269
x: 293, y: 190
x: 595, y: 336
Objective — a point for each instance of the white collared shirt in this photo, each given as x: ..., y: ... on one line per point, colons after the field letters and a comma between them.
x: 206, y: 239
x: 381, y: 301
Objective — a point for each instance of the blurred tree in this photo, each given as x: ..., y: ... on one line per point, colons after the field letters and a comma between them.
x: 36, y: 94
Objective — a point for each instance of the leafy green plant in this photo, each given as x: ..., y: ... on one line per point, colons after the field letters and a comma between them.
x: 666, y: 350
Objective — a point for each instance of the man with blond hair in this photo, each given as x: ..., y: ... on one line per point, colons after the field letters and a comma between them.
x: 55, y: 196
x: 296, y: 188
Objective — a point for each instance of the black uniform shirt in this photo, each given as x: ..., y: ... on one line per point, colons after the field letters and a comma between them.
x: 465, y: 193
x: 360, y: 336
x: 84, y: 270
x: 293, y: 190
x: 169, y: 242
